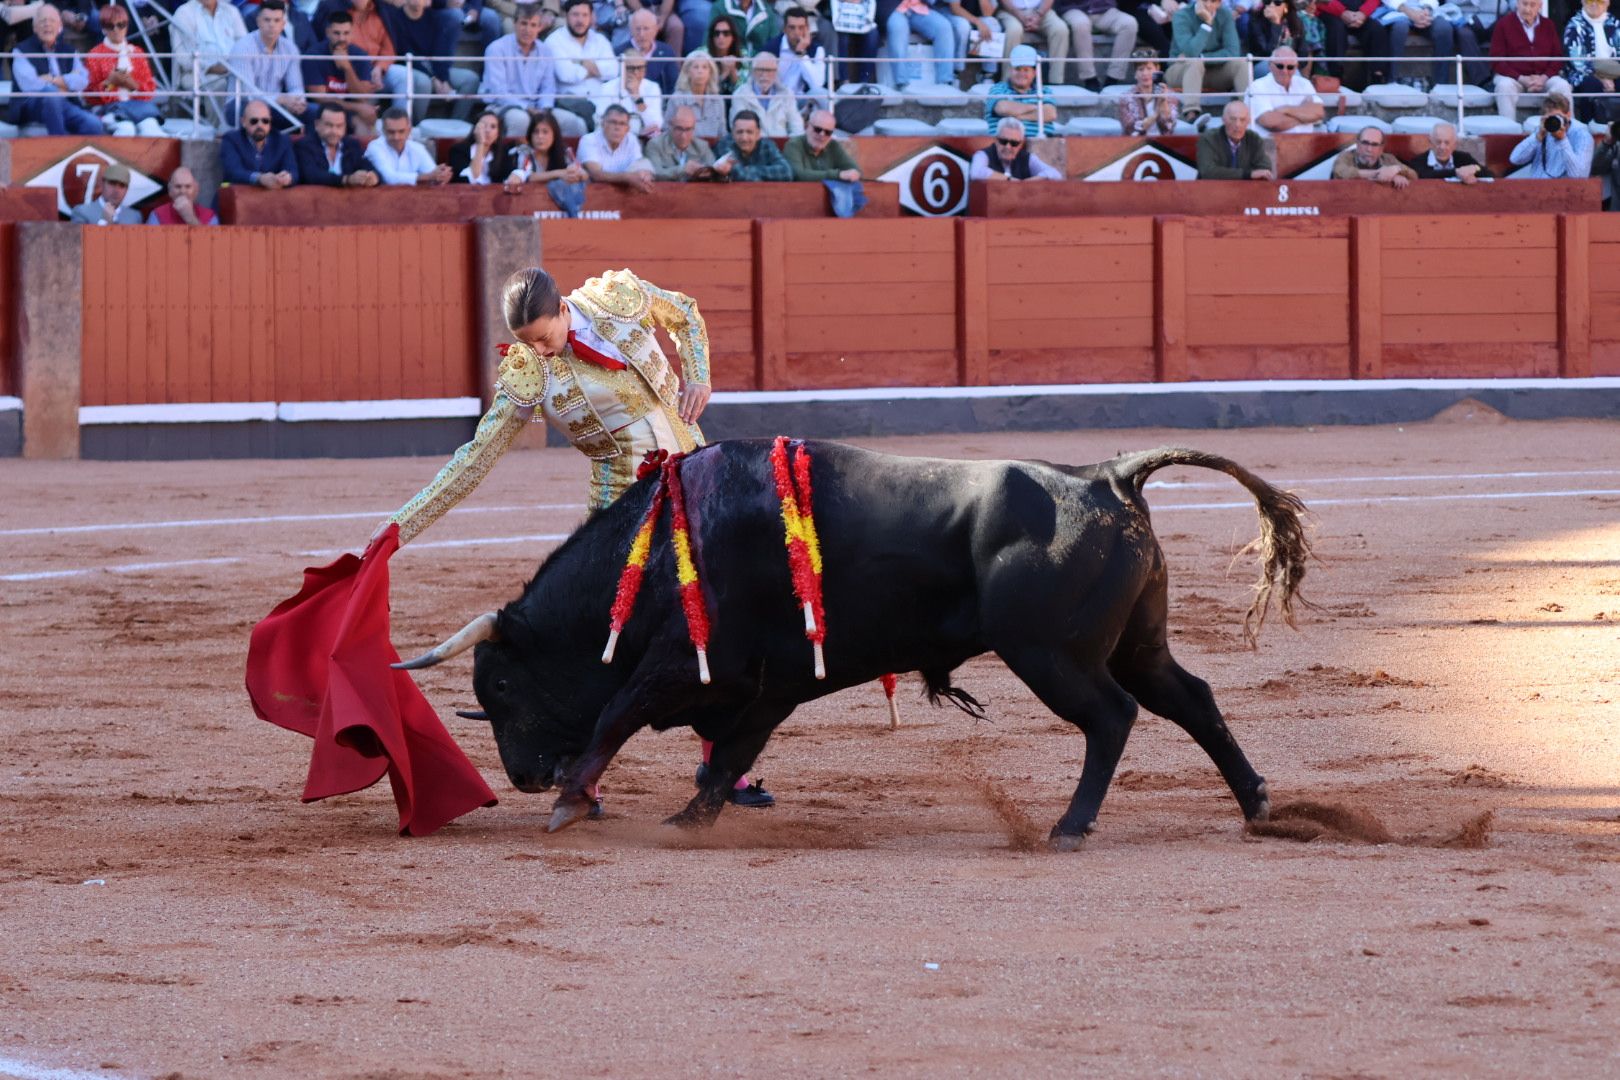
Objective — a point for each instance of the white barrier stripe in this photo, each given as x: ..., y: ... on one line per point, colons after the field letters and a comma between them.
x: 10, y: 404
x: 125, y: 568
x: 292, y: 412
x: 27, y: 1070
x: 225, y: 412
x: 272, y: 519
x: 1194, y: 484
x: 130, y: 568
x: 1375, y: 500
x: 295, y: 412
x: 923, y: 393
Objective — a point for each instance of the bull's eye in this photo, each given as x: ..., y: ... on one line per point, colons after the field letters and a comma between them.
x: 500, y: 686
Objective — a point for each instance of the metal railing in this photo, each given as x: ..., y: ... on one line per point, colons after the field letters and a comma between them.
x: 240, y: 88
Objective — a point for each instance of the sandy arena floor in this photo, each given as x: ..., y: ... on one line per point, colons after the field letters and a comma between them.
x: 171, y: 909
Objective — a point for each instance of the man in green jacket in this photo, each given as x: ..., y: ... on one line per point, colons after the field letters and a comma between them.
x: 1231, y: 151
x: 1204, y: 50
x: 816, y: 155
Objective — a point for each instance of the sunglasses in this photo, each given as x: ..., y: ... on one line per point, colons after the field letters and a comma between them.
x: 821, y: 130
x: 1009, y: 142
x: 257, y: 123
x: 118, y: 25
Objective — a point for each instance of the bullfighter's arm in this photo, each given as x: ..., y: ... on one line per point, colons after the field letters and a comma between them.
x: 678, y: 314
x: 465, y: 469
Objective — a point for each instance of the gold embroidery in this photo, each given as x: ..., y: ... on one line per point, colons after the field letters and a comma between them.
x: 464, y: 470
x: 522, y: 374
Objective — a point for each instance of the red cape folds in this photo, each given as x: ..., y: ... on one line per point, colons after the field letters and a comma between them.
x: 318, y: 664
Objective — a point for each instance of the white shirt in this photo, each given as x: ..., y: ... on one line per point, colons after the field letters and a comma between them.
x: 207, y: 37
x: 1266, y: 93
x: 644, y: 123
x: 403, y: 168
x: 594, y: 147
x: 582, y: 327
x: 572, y: 79
x: 1601, y: 49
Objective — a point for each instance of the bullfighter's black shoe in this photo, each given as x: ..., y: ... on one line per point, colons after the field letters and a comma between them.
x: 754, y: 795
x: 702, y: 776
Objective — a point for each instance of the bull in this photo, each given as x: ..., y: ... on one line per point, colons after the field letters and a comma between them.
x: 927, y: 563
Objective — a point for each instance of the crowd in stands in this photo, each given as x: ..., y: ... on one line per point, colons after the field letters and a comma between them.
x: 330, y: 91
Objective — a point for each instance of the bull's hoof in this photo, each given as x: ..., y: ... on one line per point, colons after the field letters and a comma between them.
x: 1259, y: 808
x: 1066, y: 841
x: 565, y: 814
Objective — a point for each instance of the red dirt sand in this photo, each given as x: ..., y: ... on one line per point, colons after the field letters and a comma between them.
x: 172, y: 909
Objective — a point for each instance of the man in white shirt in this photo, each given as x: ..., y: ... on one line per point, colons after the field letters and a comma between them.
x: 636, y: 94
x: 611, y: 155
x: 585, y: 61
x: 400, y: 159
x: 201, y: 36
x: 779, y: 116
x: 1284, y: 102
x: 1008, y: 158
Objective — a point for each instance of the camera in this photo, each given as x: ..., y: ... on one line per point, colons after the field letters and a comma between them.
x: 1552, y: 124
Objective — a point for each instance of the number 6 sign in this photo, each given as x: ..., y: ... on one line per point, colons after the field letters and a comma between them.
x: 933, y: 182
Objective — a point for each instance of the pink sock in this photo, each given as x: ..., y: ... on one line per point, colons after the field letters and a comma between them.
x: 708, y: 748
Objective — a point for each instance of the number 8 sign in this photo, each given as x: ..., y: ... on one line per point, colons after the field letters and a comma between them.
x: 933, y: 183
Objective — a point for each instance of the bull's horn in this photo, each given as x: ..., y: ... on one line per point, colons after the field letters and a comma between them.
x: 480, y: 629
x: 472, y: 714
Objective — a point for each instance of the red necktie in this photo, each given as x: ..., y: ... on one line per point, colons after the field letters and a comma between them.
x: 590, y: 355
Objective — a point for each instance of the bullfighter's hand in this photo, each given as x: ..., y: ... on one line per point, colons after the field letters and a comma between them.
x: 694, y: 399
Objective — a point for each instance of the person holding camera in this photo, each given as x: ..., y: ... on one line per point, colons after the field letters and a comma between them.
x: 1559, y: 148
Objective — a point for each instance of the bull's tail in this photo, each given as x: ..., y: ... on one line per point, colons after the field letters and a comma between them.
x: 1282, y: 544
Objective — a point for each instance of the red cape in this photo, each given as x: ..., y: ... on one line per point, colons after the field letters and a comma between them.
x: 318, y: 664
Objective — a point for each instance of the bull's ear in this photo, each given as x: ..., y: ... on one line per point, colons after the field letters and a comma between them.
x: 472, y: 714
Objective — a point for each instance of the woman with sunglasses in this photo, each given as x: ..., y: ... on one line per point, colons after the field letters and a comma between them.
x: 121, y: 82
x: 729, y: 53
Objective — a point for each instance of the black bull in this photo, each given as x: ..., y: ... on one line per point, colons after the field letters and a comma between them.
x: 927, y: 563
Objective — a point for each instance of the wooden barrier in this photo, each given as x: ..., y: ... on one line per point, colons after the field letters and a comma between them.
x: 456, y: 203
x: 27, y: 204
x: 260, y: 314
x: 223, y: 315
x: 1287, y: 199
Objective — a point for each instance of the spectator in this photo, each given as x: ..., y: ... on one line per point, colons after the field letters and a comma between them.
x: 1103, y: 16
x: 801, y: 59
x: 1008, y: 158
x: 725, y: 48
x: 1014, y: 97
x: 584, y: 63
x: 121, y: 82
x: 860, y: 41
x: 611, y: 155
x: 1445, y: 162
x: 420, y: 30
x: 1592, y: 41
x: 473, y: 159
x: 254, y: 154
x: 1525, y: 33
x: 1205, y: 50
x: 332, y: 157
x: 110, y: 208
x: 778, y: 112
x: 477, y: 15
x: 923, y: 18
x: 636, y: 94
x: 520, y: 75
x: 678, y: 154
x: 816, y: 155
x: 44, y: 79
x: 747, y: 157
x: 1153, y: 18
x: 1558, y: 148
x: 1284, y: 102
x: 1151, y: 107
x: 978, y: 35
x: 662, y: 66
x: 1366, y: 160
x: 1231, y: 151
x: 1403, y: 17
x: 697, y: 89
x: 1027, y: 18
x: 340, y: 73
x: 1273, y: 25
x: 686, y: 27
x: 543, y: 159
x: 400, y: 160
x: 1343, y: 20
x: 755, y: 21
x: 182, y: 207
x: 266, y: 66
x: 201, y: 36
x: 80, y: 19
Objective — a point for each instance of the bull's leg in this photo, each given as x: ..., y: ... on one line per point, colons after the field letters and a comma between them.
x: 1166, y: 688
x: 1087, y: 697
x: 733, y: 755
